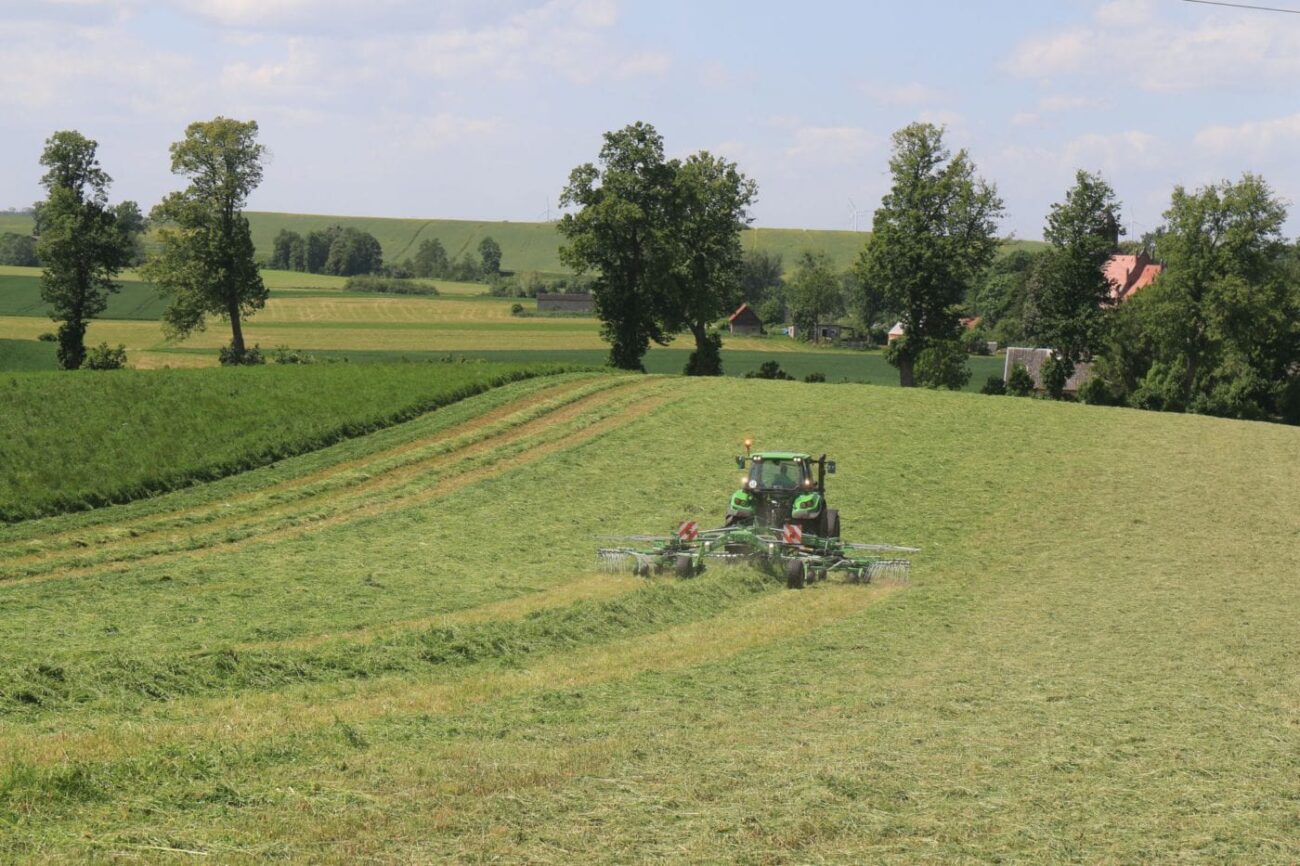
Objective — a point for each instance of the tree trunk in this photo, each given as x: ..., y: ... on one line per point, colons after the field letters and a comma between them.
x: 906, y: 376
x: 236, y: 331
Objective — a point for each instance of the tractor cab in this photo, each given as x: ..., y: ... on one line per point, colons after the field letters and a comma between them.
x: 781, y: 487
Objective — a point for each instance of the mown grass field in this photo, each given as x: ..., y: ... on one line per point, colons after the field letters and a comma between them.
x: 396, y: 649
x: 77, y: 440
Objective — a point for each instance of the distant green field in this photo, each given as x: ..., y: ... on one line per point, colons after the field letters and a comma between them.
x: 26, y: 355
x: 525, y: 246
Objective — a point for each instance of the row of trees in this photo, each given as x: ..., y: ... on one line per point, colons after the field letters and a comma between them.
x: 205, y: 265
x: 1218, y: 333
x: 347, y: 251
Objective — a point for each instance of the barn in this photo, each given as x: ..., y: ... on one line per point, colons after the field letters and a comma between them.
x: 1032, y: 360
x: 745, y: 322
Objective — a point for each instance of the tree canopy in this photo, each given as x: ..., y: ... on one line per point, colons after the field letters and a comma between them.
x: 933, y: 234
x: 207, y: 265
x: 662, y: 239
x: 81, y: 242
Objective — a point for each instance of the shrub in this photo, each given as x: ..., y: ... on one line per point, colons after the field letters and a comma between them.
x: 102, y: 357
x: 768, y: 370
x: 388, y: 285
x: 942, y: 364
x: 975, y: 342
x: 285, y: 355
x: 815, y: 377
x: 1098, y: 392
x: 48, y: 337
x: 996, y: 386
x: 1019, y: 382
x: 516, y: 309
x: 232, y: 357
x: 1055, y: 373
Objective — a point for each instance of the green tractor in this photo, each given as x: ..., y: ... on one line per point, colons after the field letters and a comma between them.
x: 778, y: 520
x: 783, y: 487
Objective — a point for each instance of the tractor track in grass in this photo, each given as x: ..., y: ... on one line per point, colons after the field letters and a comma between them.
x: 305, y: 710
x: 567, y: 427
x: 110, y: 530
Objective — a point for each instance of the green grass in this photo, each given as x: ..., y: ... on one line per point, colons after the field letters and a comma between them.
x: 838, y: 366
x: 27, y: 355
x: 394, y: 648
x: 76, y: 440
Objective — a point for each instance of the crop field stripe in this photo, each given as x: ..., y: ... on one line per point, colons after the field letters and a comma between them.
x: 133, y: 530
x: 567, y: 427
x: 306, y: 710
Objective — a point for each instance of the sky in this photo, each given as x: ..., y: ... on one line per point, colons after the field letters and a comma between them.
x: 479, y: 109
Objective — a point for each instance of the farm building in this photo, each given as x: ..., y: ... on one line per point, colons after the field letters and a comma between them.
x: 1129, y: 274
x: 897, y: 332
x: 828, y: 332
x: 745, y: 322
x: 1032, y: 360
x: 566, y: 302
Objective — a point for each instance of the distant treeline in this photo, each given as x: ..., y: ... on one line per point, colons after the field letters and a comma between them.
x: 345, y: 251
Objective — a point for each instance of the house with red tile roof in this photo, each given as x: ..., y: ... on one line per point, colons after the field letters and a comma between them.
x: 1130, y: 274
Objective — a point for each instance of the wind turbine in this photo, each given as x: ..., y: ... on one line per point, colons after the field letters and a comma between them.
x: 854, y: 213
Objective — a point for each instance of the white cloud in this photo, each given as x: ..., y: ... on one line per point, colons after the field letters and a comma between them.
x: 838, y: 144
x: 1125, y: 42
x: 911, y: 93
x: 1256, y: 140
x: 645, y: 63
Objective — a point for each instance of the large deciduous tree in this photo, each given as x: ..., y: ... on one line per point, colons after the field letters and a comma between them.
x: 207, y: 265
x: 814, y: 293
x: 81, y: 242
x: 663, y: 239
x: 1069, y: 287
x: 934, y: 233
x: 1219, y: 331
x: 623, y: 232
x: 711, y: 206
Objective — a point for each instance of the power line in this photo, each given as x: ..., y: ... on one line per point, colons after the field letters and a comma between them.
x: 1244, y: 6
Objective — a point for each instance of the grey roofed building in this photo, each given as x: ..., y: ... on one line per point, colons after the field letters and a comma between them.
x: 1032, y: 360
x: 566, y: 302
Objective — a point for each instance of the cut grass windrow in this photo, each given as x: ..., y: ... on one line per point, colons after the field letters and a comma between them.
x: 121, y: 683
x: 331, y: 470
x: 754, y: 617
x: 414, y: 484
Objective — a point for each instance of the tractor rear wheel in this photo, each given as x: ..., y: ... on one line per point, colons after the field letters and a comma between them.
x: 684, y: 566
x: 794, y: 573
x: 832, y: 523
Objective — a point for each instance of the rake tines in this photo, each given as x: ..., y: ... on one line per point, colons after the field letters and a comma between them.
x: 890, y: 571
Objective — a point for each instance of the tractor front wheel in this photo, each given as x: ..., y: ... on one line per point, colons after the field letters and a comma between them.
x: 832, y: 523
x: 794, y: 573
x: 684, y: 566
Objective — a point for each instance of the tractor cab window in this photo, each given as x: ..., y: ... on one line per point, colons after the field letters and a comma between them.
x: 777, y: 474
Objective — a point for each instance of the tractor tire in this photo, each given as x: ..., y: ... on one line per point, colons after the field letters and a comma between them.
x: 684, y: 567
x: 794, y: 574
x: 832, y: 523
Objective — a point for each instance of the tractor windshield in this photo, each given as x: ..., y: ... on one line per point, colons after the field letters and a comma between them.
x: 777, y: 474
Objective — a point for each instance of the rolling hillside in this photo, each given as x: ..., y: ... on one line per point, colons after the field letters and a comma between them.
x: 525, y: 246
x: 396, y: 648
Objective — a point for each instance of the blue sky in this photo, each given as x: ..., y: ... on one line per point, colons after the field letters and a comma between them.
x: 478, y: 110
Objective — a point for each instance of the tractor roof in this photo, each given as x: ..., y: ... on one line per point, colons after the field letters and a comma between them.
x: 781, y: 455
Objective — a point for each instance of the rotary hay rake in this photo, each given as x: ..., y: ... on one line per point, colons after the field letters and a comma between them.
x: 799, y: 557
